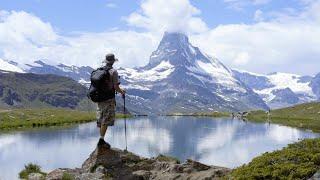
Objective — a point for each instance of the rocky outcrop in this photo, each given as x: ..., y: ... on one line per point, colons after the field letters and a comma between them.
x: 106, y: 163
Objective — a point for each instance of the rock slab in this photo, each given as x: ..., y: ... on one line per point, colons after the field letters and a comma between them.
x: 104, y: 163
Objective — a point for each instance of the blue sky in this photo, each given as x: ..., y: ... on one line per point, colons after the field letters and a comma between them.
x: 101, y: 15
x: 256, y: 35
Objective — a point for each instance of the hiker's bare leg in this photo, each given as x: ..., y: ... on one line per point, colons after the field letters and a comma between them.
x: 103, y: 130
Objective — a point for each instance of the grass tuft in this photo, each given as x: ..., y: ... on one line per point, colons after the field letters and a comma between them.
x: 28, y: 169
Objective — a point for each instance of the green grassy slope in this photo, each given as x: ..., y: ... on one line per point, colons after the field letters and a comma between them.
x: 305, y: 116
x: 297, y: 161
x: 25, y: 118
x: 34, y: 90
x: 32, y: 118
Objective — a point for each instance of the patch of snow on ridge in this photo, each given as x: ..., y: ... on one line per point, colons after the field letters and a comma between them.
x: 247, y: 72
x: 283, y: 81
x: 193, y: 51
x: 6, y: 66
x: 66, y: 68
x: 83, y: 81
x: 161, y: 71
x: 135, y: 86
x: 219, y: 73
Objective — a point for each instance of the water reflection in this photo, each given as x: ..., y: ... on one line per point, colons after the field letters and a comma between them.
x: 223, y: 142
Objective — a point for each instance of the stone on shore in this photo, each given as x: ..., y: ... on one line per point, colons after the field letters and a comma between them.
x: 106, y: 163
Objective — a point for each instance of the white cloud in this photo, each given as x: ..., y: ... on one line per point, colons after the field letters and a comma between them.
x: 285, y: 43
x: 258, y: 15
x: 111, y: 5
x: 25, y: 38
x: 240, y: 4
x: 241, y: 58
x: 174, y: 15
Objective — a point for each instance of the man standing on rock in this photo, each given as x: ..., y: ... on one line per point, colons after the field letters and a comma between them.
x: 106, y: 108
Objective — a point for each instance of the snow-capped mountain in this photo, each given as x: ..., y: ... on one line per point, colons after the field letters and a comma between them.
x: 280, y: 89
x: 80, y: 74
x: 180, y: 78
x: 9, y: 66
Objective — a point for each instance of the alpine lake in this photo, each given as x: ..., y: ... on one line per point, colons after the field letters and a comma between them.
x: 214, y: 141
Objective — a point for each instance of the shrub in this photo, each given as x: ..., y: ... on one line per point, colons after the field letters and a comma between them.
x: 28, y: 169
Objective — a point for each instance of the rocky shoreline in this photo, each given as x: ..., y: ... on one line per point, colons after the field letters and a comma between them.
x: 104, y: 163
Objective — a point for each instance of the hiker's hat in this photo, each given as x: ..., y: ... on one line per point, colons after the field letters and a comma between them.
x: 110, y: 58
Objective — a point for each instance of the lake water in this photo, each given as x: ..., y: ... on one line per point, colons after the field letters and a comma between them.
x: 215, y: 141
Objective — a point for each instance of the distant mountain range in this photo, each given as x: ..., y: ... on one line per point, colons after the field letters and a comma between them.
x: 80, y: 74
x: 181, y: 78
x: 282, y: 89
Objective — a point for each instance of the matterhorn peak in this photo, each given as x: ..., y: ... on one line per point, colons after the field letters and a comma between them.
x: 176, y: 49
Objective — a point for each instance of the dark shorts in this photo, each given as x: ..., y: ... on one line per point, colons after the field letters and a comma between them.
x: 106, y: 113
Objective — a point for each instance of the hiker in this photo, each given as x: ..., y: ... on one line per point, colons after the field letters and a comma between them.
x: 104, y: 84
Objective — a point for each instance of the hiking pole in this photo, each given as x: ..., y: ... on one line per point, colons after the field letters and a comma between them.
x: 125, y: 119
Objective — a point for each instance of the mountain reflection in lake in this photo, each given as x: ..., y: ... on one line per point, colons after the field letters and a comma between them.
x: 214, y: 141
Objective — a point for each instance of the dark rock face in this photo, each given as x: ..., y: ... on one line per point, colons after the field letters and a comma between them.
x: 116, y: 164
x: 315, y: 85
x: 253, y: 81
x: 284, y: 97
x: 1, y: 90
x: 32, y: 96
x: 11, y: 98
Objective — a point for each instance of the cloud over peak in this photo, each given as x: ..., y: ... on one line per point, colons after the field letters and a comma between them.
x: 174, y: 15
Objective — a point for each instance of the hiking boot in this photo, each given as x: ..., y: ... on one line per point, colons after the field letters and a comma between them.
x: 103, y: 143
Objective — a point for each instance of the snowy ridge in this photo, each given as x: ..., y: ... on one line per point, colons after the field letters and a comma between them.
x: 286, y: 80
x: 161, y: 71
x: 279, y: 89
x: 248, y: 72
x: 6, y: 66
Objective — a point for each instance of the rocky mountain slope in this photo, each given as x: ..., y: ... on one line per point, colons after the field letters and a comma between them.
x: 34, y: 90
x: 315, y: 85
x: 106, y: 163
x: 180, y: 78
x: 282, y: 89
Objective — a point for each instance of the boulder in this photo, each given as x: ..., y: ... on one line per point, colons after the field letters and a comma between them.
x: 104, y: 163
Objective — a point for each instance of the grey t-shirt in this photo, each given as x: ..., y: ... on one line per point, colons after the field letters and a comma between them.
x: 114, y: 78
